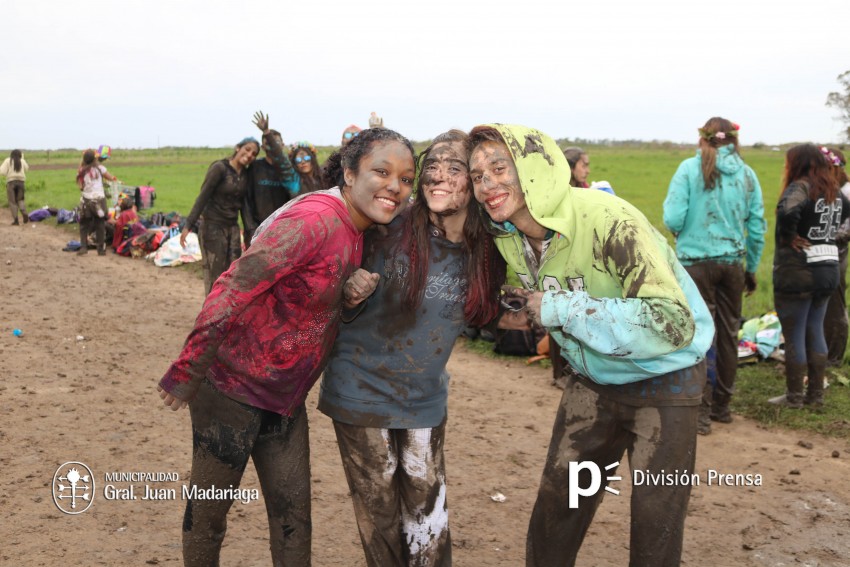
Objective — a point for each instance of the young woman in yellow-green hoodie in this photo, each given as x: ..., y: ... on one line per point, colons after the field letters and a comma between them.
x: 630, y: 322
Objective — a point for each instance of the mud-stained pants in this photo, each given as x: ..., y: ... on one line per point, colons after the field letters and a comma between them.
x: 589, y: 427
x: 835, y: 322
x: 220, y: 246
x: 721, y: 287
x: 397, y: 479
x: 15, y: 195
x: 93, y: 219
x: 225, y: 433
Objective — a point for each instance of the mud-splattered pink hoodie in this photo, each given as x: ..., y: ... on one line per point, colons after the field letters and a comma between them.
x: 267, y: 327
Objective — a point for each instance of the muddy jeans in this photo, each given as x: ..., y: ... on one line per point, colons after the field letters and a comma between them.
x: 220, y: 246
x: 397, y: 479
x: 590, y: 427
x: 93, y: 219
x: 15, y: 196
x: 835, y: 322
x: 722, y: 286
x: 225, y: 433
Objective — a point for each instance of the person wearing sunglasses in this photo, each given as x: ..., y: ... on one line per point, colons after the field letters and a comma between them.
x: 303, y: 157
x: 349, y: 134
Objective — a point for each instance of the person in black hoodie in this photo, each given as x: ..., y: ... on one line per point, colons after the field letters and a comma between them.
x: 273, y: 181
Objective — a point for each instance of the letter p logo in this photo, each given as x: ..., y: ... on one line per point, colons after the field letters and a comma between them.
x: 595, y: 480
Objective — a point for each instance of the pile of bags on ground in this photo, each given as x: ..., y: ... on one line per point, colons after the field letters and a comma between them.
x: 158, y: 239
x: 761, y: 338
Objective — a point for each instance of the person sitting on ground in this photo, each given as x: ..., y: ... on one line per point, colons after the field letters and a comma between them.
x: 580, y: 170
x: 303, y: 156
x: 14, y: 169
x: 121, y: 224
x: 273, y: 180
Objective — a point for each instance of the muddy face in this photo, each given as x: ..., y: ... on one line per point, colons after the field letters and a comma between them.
x: 495, y: 181
x: 246, y: 154
x: 445, y: 180
x: 381, y: 188
x: 267, y: 148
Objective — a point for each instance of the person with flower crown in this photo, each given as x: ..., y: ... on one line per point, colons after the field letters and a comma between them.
x: 835, y: 322
x: 304, y: 157
x: 714, y: 208
x: 809, y: 213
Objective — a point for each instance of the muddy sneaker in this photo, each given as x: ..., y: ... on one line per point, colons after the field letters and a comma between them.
x: 15, y: 222
x: 82, y: 252
x: 101, y: 252
x: 26, y: 219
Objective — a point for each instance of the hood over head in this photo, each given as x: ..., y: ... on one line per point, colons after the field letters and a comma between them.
x: 543, y: 171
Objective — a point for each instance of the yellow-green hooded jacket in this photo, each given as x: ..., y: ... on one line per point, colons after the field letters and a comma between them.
x: 617, y: 300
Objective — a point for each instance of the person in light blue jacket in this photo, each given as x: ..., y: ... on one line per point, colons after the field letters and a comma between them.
x: 715, y: 210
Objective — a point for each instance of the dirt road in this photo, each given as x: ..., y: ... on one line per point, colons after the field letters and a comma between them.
x: 92, y: 400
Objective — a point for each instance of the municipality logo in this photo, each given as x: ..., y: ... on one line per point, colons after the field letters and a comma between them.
x: 73, y: 488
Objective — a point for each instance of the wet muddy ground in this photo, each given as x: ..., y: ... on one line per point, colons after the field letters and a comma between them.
x: 92, y: 399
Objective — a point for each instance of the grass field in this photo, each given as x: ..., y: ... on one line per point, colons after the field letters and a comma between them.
x: 639, y: 174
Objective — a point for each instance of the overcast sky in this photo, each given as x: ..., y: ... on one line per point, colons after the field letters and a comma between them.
x: 158, y: 73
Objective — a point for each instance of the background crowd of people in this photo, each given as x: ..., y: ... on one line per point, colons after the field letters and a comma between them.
x: 369, y: 267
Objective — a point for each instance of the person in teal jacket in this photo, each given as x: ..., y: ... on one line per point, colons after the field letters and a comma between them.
x: 630, y: 322
x: 714, y: 208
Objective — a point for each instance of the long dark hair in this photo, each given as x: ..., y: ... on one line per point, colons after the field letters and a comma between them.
x: 313, y: 180
x: 87, y: 164
x: 16, y: 156
x: 807, y: 163
x: 484, y: 267
x: 573, y: 155
x: 332, y: 172
x: 716, y: 132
